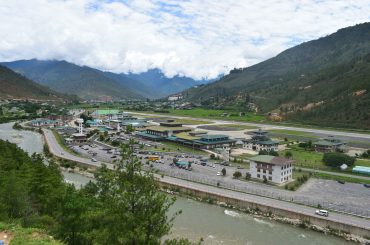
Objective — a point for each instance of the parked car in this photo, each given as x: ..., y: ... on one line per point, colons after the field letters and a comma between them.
x: 367, y: 185
x: 341, y: 182
x: 218, y: 173
x: 322, y: 212
x: 93, y: 160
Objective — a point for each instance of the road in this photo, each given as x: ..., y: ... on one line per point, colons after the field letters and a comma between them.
x: 267, y: 126
x: 57, y: 150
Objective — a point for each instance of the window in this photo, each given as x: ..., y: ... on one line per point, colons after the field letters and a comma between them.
x: 258, y: 170
x: 270, y: 172
x: 258, y: 175
x: 264, y: 171
x: 270, y: 178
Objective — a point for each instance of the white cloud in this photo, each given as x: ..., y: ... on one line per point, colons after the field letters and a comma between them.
x: 194, y: 38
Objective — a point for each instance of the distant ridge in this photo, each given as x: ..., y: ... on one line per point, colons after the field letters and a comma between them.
x: 89, y: 83
x: 15, y: 86
x: 65, y: 77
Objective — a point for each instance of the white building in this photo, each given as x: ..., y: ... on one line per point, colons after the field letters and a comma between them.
x: 275, y: 169
x: 175, y: 97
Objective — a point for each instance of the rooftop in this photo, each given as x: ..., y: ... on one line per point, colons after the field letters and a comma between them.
x: 271, y: 160
x: 186, y: 136
x: 164, y: 129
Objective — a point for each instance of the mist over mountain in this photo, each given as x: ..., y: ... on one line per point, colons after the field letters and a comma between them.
x: 90, y: 83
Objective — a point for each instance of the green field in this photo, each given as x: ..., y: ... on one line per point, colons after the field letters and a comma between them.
x: 313, y: 160
x: 342, y: 178
x: 294, y: 133
x: 217, y: 114
x: 29, y: 236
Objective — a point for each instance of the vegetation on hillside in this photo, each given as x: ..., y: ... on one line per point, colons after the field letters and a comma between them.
x: 15, y: 86
x: 324, y: 82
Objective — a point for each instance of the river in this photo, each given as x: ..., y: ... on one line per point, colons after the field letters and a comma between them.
x: 216, y: 225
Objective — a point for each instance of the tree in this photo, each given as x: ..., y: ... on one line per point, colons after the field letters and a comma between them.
x: 248, y: 176
x: 336, y: 159
x: 223, y: 171
x: 136, y: 211
x: 288, y: 154
x: 129, y: 129
x: 237, y: 174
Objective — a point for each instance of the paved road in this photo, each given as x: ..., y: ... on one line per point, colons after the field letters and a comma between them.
x: 57, y: 150
x: 270, y: 126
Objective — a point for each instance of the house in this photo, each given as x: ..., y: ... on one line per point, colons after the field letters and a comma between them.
x: 260, y: 141
x: 274, y: 169
x: 45, y: 122
x: 329, y: 144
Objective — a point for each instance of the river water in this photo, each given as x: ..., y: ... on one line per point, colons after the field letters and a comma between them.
x: 214, y: 224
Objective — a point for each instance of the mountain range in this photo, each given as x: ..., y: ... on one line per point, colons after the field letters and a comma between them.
x: 16, y: 86
x: 324, y: 81
x: 90, y: 83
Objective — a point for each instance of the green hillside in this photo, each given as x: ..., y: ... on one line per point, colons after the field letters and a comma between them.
x: 314, y: 82
x: 64, y: 77
x: 15, y: 86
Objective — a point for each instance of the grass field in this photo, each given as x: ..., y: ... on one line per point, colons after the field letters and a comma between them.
x: 293, y: 132
x: 217, y: 114
x: 191, y: 121
x: 313, y: 160
x: 29, y: 236
x: 342, y: 178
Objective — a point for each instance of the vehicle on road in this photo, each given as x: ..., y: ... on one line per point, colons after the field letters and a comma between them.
x: 322, y: 212
x: 93, y: 160
x: 341, y: 182
x: 218, y: 173
x: 367, y: 185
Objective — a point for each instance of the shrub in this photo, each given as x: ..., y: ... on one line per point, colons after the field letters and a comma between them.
x: 237, y: 174
x: 247, y: 176
x: 336, y: 159
x: 288, y: 154
x: 223, y: 171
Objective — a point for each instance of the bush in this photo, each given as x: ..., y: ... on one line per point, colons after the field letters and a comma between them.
x: 247, y: 176
x: 288, y: 154
x: 336, y: 159
x: 223, y: 171
x: 237, y: 174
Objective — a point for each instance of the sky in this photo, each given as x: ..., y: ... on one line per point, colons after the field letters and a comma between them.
x: 194, y: 38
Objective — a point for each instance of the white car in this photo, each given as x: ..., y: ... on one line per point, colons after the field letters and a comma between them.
x: 322, y: 212
x: 218, y: 173
x: 93, y: 160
